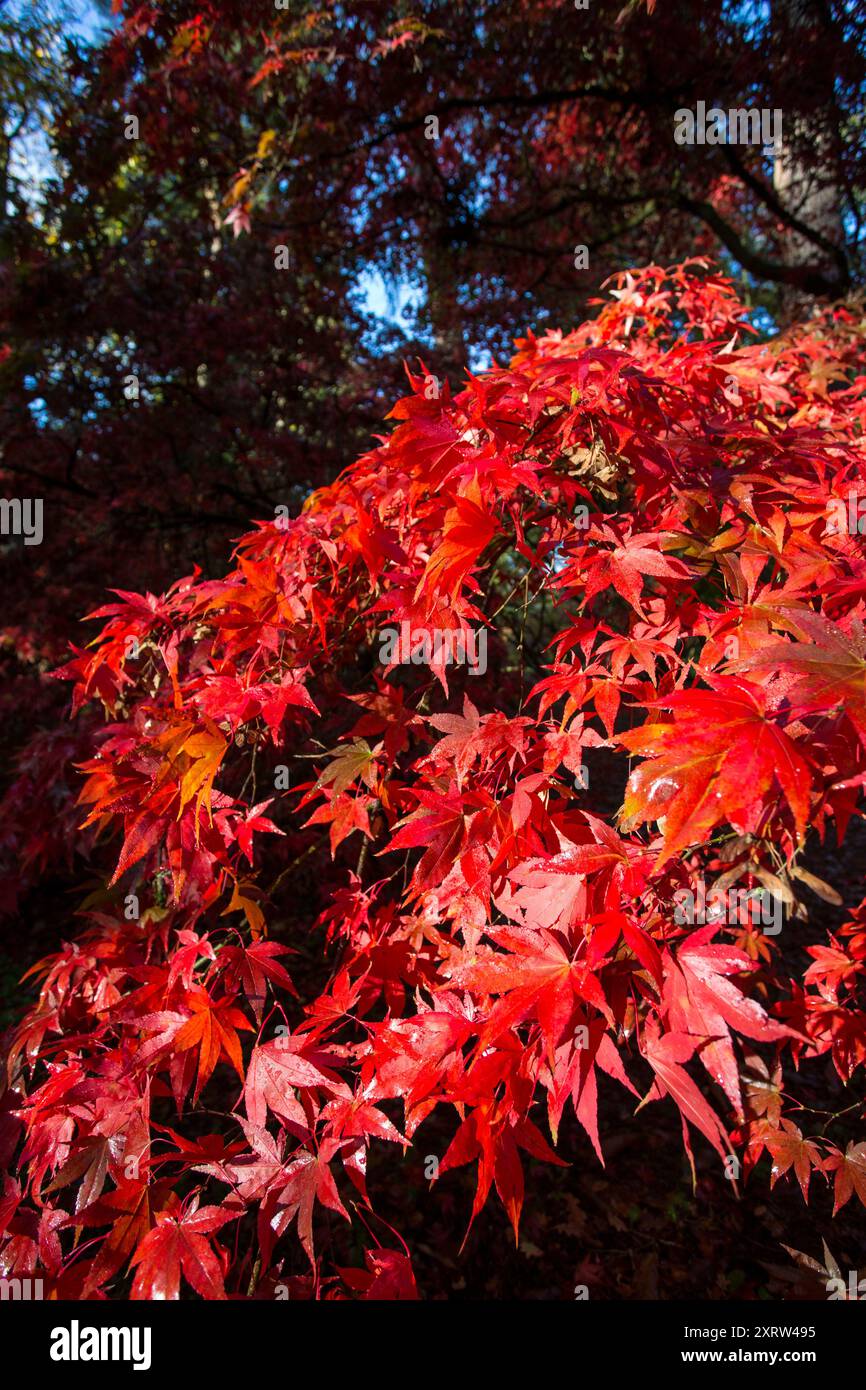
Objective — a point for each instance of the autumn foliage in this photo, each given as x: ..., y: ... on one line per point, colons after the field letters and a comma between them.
x: 495, y: 939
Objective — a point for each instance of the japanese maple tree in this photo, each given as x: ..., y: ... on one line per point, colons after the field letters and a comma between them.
x: 654, y: 519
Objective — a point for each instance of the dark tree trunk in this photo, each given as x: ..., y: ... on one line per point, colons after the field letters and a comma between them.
x: 805, y: 173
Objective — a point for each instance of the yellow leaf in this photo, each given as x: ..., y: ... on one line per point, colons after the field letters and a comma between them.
x: 205, y: 751
x: 239, y: 188
x: 253, y: 913
x: 266, y: 139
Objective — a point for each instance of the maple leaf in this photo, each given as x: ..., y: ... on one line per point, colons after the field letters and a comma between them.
x: 574, y: 1074
x: 494, y: 1140
x: 225, y: 697
x: 308, y: 1179
x: 185, y: 959
x: 345, y: 814
x: 388, y: 1276
x: 354, y: 1117
x: 554, y: 890
x: 238, y: 219
x: 789, y: 1150
x: 763, y: 1091
x: 205, y: 751
x: 551, y: 890
x: 832, y: 970
x: 278, y: 1069
x: 717, y: 761
x: 145, y: 831
x: 251, y: 967
x: 625, y: 566
x: 429, y: 439
x: 470, y: 738
x: 410, y: 1057
x: 823, y: 671
x: 439, y: 823
x: 466, y: 530
x: 254, y: 822
x: 207, y: 1033
x: 701, y: 999
x: 357, y: 759
x: 535, y: 976
x: 666, y: 1054
x: 850, y: 1170
x: 829, y: 1273
x: 180, y: 1245
x: 130, y: 1211
x: 387, y: 714
x: 91, y: 1165
x: 212, y: 1031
